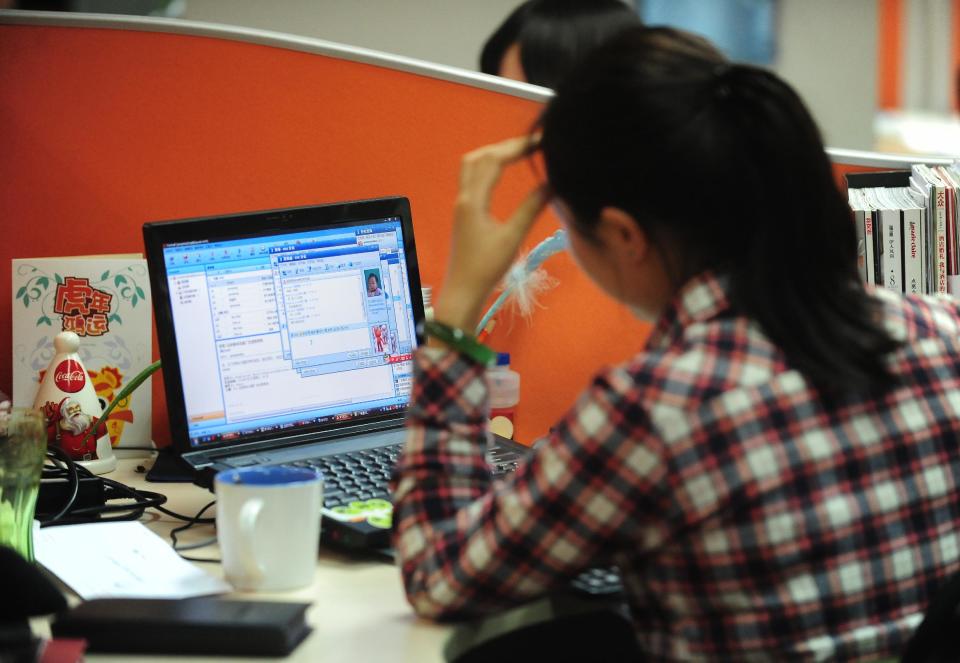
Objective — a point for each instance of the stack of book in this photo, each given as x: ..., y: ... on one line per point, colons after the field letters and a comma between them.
x: 907, y: 228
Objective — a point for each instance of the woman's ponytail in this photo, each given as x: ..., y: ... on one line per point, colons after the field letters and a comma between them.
x: 723, y: 162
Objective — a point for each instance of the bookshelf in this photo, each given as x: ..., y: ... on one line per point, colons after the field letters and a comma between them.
x: 908, y: 227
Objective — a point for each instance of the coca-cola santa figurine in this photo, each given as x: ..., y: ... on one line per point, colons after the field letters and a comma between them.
x: 71, y: 406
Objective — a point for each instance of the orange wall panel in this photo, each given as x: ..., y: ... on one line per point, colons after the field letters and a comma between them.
x: 890, y: 30
x: 840, y: 170
x: 105, y: 129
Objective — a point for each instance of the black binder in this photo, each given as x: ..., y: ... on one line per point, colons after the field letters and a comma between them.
x: 186, y: 626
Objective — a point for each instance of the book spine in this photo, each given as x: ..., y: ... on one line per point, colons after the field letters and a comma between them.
x: 951, y: 233
x: 892, y: 263
x: 940, y: 237
x: 869, y: 248
x: 953, y: 230
x: 924, y: 251
x: 877, y: 248
x: 913, y: 252
x: 858, y: 224
x: 953, y: 243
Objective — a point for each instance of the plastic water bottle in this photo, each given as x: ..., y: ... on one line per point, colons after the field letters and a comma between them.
x: 504, y: 385
x: 427, y: 293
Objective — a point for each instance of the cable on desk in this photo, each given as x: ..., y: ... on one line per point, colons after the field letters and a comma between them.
x: 190, y: 519
x: 200, y: 544
x: 193, y: 521
x: 201, y: 559
x: 63, y: 467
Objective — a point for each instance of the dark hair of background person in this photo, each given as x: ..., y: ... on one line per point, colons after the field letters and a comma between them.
x: 724, y: 168
x: 502, y: 38
x: 553, y: 35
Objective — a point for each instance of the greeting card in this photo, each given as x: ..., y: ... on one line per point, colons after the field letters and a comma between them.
x: 105, y: 300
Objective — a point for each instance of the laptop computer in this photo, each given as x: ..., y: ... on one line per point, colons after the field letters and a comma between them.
x: 286, y: 337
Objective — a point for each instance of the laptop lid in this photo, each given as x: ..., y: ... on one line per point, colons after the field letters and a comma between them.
x: 285, y: 327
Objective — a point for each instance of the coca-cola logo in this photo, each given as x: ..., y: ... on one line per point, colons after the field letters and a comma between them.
x: 69, y: 376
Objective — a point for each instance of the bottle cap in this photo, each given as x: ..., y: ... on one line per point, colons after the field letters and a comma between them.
x: 503, y: 359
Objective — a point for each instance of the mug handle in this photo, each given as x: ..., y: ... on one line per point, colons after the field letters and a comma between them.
x: 249, y: 513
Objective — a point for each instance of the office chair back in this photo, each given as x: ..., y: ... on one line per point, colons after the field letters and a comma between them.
x: 937, y: 639
x: 558, y: 628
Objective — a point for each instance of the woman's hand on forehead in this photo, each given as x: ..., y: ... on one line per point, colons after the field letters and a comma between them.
x: 484, y: 247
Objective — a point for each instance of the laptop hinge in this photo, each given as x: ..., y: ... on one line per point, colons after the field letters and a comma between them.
x: 206, y: 457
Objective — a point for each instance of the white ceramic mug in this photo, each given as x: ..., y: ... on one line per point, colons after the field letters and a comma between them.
x: 268, y: 526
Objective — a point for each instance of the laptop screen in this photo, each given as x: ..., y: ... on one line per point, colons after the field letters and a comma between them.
x: 288, y: 329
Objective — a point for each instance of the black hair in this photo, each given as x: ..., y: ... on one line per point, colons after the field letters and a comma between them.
x: 553, y: 35
x: 502, y: 38
x: 724, y: 168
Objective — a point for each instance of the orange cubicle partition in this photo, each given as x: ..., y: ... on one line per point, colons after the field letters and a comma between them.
x: 107, y: 122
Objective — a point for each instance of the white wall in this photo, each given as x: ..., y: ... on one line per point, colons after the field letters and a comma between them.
x: 928, y: 82
x: 447, y: 31
x: 827, y: 50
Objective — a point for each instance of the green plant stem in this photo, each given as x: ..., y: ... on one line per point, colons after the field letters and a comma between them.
x: 126, y: 391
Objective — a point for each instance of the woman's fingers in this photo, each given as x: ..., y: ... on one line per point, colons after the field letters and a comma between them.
x: 484, y: 247
x: 481, y: 168
x: 523, y: 218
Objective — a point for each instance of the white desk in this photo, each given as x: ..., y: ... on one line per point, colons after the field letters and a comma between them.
x: 359, y: 612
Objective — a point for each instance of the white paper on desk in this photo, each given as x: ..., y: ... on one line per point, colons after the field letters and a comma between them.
x: 120, y: 560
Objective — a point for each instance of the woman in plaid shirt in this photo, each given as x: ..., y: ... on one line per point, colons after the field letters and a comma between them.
x: 775, y: 473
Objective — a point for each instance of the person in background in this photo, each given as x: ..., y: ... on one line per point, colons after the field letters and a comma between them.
x: 541, y: 40
x: 775, y: 472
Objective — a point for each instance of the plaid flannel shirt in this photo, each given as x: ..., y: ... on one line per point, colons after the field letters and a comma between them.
x: 750, y: 521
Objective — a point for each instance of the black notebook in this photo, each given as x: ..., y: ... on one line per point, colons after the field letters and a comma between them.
x: 186, y: 626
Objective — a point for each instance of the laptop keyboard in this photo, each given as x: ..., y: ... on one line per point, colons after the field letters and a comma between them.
x: 365, y: 475
x: 358, y: 475
x: 599, y: 581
